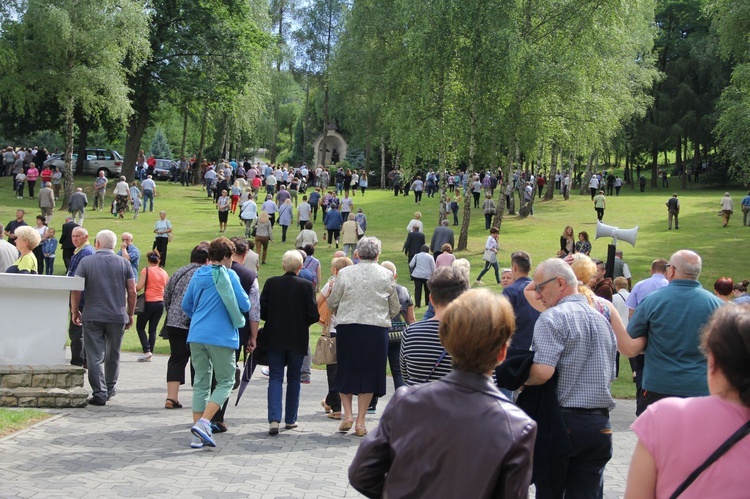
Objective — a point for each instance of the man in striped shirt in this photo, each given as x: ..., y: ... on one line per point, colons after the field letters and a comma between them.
x: 423, y: 357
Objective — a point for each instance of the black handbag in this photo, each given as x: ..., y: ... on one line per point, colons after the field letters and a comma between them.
x: 140, y: 302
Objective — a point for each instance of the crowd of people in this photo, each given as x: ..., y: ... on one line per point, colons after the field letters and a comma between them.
x: 534, y: 363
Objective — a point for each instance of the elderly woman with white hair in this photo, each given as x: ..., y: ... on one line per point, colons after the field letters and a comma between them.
x: 27, y: 238
x: 364, y: 300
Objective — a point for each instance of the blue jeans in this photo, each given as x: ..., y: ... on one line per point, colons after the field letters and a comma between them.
x: 49, y: 265
x: 148, y: 198
x: 277, y: 360
x: 580, y: 474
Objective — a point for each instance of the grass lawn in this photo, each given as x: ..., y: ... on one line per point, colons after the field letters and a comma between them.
x: 17, y: 419
x: 194, y: 219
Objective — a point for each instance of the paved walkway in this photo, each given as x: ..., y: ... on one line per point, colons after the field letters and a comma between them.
x: 134, y: 448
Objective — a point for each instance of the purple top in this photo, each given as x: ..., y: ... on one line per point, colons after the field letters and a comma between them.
x: 644, y: 288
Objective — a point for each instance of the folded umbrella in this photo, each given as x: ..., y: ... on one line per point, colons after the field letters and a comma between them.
x: 247, y: 373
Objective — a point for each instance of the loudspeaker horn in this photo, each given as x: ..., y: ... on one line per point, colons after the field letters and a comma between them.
x: 627, y: 235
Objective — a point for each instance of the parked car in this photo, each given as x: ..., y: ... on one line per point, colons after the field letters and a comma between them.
x: 163, y: 169
x: 97, y: 159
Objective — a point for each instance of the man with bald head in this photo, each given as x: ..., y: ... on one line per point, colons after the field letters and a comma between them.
x: 110, y: 302
x: 666, y: 326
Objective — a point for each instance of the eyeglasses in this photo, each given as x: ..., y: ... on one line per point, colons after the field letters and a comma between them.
x: 538, y: 287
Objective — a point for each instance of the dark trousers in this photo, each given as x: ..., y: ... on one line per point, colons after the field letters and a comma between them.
x: 394, y: 351
x: 610, y: 189
x: 396, y: 190
x: 487, y: 266
x: 417, y: 196
x: 151, y: 315
x: 645, y: 398
x: 77, y: 354
x: 160, y: 245
x: 593, y: 192
x: 315, y: 213
x: 418, y: 285
x: 617, y: 190
x: 580, y: 474
x: 333, y: 399
x: 455, y: 217
x: 283, y: 232
x: 334, y: 234
x: 179, y: 354
x: 39, y: 254
x: 476, y: 199
x: 487, y: 221
x: 31, y: 183
x: 599, y: 213
x: 102, y: 342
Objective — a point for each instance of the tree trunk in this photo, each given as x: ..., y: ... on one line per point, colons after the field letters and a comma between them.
x: 135, y: 130
x: 552, y: 172
x: 84, y: 126
x: 463, y: 238
x: 680, y: 163
x: 654, y: 163
x: 198, y: 175
x: 68, y: 182
x: 183, y: 146
x: 382, y: 162
x: 587, y: 175
x: 304, y: 122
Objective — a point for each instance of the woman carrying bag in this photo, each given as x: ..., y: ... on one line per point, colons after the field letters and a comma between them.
x: 152, y: 282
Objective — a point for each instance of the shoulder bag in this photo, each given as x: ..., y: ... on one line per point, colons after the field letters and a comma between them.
x: 736, y: 437
x: 140, y: 302
x: 325, y: 349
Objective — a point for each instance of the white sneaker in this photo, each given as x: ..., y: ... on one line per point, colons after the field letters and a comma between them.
x: 265, y: 371
x: 146, y: 357
x: 197, y: 442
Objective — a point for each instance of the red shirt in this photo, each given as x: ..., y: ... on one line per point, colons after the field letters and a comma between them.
x: 46, y: 175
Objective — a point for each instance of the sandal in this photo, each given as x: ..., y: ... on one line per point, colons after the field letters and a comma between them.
x: 346, y: 424
x: 172, y: 404
x: 326, y: 407
x: 334, y: 415
x: 360, y: 430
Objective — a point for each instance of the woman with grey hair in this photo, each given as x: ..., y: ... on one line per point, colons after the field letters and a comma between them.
x: 364, y: 299
x: 122, y: 194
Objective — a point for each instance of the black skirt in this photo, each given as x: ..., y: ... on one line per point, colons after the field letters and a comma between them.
x: 362, y: 353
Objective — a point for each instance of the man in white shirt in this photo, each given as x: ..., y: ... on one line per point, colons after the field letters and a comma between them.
x: 149, y: 192
x: 593, y: 186
x: 271, y: 184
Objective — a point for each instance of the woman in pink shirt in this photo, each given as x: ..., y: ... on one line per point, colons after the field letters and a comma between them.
x: 446, y: 257
x: 31, y: 175
x: 676, y: 436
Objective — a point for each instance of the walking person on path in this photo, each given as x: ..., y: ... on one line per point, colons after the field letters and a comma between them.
x: 727, y: 208
x: 673, y: 210
x: 600, y: 204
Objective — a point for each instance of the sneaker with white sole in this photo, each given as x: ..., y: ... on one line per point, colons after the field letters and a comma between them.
x: 265, y: 371
x: 146, y: 357
x: 197, y: 443
x: 202, y: 429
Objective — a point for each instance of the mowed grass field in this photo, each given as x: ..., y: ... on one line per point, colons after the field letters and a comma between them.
x: 194, y: 219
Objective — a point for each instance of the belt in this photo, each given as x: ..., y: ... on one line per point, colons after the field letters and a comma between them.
x: 579, y: 410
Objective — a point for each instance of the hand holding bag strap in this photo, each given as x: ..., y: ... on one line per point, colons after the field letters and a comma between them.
x: 736, y: 437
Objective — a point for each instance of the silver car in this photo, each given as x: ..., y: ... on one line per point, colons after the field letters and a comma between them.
x: 97, y: 159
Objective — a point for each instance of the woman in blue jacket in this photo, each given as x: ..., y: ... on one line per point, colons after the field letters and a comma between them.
x: 215, y: 303
x: 333, y: 222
